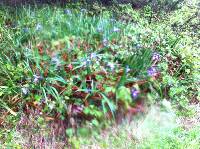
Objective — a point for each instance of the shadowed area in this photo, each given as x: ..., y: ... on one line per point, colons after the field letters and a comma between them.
x: 23, y: 2
x: 156, y: 5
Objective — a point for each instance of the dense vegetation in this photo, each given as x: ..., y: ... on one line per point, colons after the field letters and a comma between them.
x: 84, y: 67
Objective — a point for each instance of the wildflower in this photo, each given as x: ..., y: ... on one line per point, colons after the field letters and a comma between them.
x: 70, y: 66
x: 105, y: 42
x: 99, y: 29
x: 86, y: 62
x: 156, y: 56
x: 138, y: 46
x: 42, y: 101
x: 76, y: 109
x: 56, y: 61
x: 93, y: 55
x: 112, y: 20
x: 25, y: 90
x: 39, y: 27
x: 37, y: 78
x: 25, y: 30
x: 152, y: 71
x: 67, y: 11
x: 127, y: 69
x: 111, y: 66
x: 115, y: 29
x: 134, y: 93
x: 88, y: 91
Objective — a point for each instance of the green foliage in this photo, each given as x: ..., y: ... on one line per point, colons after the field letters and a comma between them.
x: 179, y: 139
x: 56, y: 55
x: 124, y: 95
x: 76, y: 63
x: 161, y: 131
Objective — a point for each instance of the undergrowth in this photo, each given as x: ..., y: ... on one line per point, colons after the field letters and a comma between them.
x: 77, y: 66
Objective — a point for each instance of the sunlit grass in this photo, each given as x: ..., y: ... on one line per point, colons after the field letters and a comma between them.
x: 157, y: 129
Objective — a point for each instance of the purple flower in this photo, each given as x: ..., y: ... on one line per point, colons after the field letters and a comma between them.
x: 115, y: 29
x: 111, y: 66
x: 99, y: 29
x: 38, y: 27
x: 112, y: 20
x: 25, y: 90
x: 86, y: 62
x: 76, y: 109
x: 88, y: 91
x: 105, y: 42
x: 138, y: 46
x: 67, y: 11
x: 127, y: 69
x: 37, y: 78
x: 56, y: 61
x: 93, y: 55
x: 152, y: 71
x: 134, y: 93
x: 25, y: 30
x: 43, y: 100
x: 156, y: 56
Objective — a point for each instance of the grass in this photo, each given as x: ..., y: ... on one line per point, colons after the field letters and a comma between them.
x: 51, y: 50
x: 74, y: 72
x: 156, y: 129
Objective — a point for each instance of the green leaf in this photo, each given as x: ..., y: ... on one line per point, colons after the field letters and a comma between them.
x: 1, y: 93
x: 69, y: 132
x: 124, y: 95
x: 110, y: 104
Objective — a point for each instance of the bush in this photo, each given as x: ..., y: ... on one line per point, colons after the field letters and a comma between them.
x: 76, y: 68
